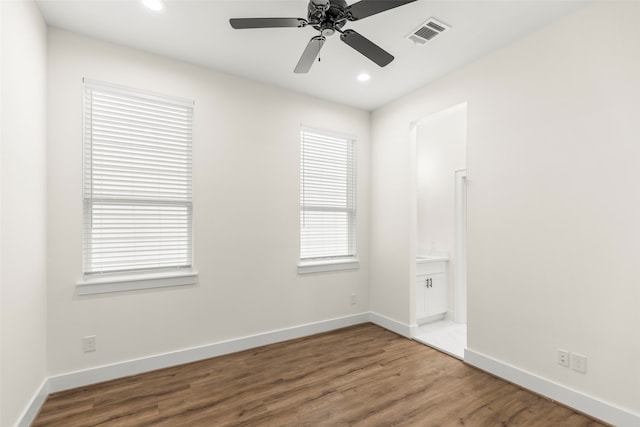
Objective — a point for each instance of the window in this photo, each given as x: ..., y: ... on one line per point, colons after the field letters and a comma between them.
x: 328, y: 201
x: 137, y: 189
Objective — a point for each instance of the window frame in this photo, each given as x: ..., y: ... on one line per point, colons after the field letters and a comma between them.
x: 331, y: 262
x: 93, y: 281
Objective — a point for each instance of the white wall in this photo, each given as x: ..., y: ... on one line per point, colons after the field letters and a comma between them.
x: 22, y: 208
x: 553, y: 205
x: 246, y: 212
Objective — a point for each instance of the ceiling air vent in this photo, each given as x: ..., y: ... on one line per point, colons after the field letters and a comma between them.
x: 427, y: 31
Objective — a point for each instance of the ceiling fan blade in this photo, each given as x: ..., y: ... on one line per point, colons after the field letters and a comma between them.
x: 245, y: 23
x: 309, y: 55
x: 365, y: 8
x: 366, y: 47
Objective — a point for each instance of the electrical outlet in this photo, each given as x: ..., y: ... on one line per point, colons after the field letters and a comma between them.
x: 353, y: 299
x: 89, y: 344
x: 563, y: 357
x: 579, y: 363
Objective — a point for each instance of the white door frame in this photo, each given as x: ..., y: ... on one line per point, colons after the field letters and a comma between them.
x: 460, y: 267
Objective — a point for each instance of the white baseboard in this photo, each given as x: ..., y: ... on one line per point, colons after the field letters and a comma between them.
x: 137, y: 366
x: 569, y: 397
x: 159, y: 361
x: 390, y: 324
x: 414, y: 330
x: 31, y: 411
x: 132, y: 367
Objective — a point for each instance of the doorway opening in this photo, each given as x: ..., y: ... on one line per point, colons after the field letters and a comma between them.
x: 441, y: 254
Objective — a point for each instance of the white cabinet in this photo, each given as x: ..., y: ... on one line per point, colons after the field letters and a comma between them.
x: 431, y: 289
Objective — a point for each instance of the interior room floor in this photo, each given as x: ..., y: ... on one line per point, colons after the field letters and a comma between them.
x: 360, y: 376
x: 445, y: 335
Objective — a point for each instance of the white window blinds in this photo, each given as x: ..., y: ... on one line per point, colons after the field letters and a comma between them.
x: 137, y: 181
x: 328, y: 196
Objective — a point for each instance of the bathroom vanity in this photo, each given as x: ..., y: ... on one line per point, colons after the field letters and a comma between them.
x: 431, y: 288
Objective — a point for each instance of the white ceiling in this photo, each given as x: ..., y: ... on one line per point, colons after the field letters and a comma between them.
x: 198, y: 31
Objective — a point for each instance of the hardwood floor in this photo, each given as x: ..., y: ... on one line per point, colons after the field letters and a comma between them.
x: 357, y: 376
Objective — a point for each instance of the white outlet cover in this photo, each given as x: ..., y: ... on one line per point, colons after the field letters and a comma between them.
x: 563, y: 357
x: 579, y: 363
x: 89, y: 344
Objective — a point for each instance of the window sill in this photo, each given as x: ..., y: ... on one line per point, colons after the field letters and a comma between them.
x: 103, y: 285
x: 332, y: 265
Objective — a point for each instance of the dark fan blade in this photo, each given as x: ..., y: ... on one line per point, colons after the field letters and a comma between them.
x: 366, y: 47
x: 244, y: 23
x: 365, y: 8
x: 309, y: 55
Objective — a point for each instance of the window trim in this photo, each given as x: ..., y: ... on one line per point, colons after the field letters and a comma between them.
x: 98, y: 283
x: 133, y: 282
x: 319, y: 266
x: 332, y: 263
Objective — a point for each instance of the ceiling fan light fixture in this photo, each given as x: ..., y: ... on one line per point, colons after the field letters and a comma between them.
x: 155, y: 5
x: 363, y: 77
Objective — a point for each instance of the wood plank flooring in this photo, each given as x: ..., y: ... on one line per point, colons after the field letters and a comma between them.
x: 357, y: 376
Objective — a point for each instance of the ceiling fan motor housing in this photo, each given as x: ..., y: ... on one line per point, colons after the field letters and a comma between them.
x: 327, y: 16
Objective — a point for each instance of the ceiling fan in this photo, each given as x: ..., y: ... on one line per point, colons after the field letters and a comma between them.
x: 329, y: 16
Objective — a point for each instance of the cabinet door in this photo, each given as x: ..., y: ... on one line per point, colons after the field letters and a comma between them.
x: 421, y: 300
x: 436, y: 296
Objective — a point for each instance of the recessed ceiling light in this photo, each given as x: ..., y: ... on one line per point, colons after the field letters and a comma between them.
x: 363, y: 77
x: 155, y: 5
